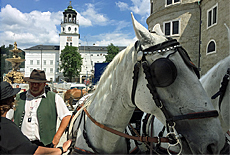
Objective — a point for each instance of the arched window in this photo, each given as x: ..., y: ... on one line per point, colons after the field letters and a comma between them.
x: 211, y: 47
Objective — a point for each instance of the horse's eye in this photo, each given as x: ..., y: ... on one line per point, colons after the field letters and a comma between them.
x: 163, y: 72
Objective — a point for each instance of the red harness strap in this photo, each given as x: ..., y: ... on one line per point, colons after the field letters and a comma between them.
x: 81, y: 151
x: 141, y: 139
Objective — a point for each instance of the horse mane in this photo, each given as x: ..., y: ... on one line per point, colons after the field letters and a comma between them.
x: 112, y: 71
x: 215, y: 70
x: 108, y: 78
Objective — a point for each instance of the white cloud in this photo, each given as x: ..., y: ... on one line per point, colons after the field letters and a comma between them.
x: 140, y: 7
x: 36, y: 27
x: 119, y: 41
x: 95, y: 17
x: 29, y: 28
x: 105, y: 39
x: 83, y: 21
x: 123, y: 6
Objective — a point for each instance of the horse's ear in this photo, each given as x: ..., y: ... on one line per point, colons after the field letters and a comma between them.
x: 142, y: 34
x: 157, y: 29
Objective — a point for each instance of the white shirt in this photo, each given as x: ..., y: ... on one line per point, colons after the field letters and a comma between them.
x: 31, y: 128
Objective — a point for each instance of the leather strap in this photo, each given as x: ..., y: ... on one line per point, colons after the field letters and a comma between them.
x: 223, y: 88
x: 198, y: 115
x: 166, y: 44
x: 141, y: 139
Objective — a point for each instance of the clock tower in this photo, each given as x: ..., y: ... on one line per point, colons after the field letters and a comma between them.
x: 69, y: 28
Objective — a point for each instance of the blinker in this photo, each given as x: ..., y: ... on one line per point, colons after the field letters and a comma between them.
x: 163, y: 72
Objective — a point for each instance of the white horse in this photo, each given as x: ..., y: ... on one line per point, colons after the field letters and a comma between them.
x: 211, y: 82
x: 111, y: 103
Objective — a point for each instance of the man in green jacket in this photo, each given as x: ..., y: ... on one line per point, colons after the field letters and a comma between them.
x: 37, y: 111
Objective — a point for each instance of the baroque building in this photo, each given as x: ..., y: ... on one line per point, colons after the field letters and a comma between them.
x: 199, y: 25
x: 47, y: 57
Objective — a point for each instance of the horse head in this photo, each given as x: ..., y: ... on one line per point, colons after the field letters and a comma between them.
x: 167, y: 78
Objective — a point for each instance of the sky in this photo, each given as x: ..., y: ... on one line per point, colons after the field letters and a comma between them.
x: 37, y: 22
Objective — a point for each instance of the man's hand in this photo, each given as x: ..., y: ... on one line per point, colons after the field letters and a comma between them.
x: 61, y: 129
x: 56, y: 140
x: 66, y: 145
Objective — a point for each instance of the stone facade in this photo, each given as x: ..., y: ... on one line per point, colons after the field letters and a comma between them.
x: 190, y: 14
x: 218, y: 33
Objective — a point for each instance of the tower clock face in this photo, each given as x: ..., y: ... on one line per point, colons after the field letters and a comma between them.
x: 69, y: 28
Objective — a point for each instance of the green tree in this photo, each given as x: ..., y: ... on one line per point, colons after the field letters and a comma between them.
x: 112, y: 52
x: 71, y: 62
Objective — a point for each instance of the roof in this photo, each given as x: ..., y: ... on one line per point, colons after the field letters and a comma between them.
x: 98, y: 48
x: 44, y: 47
x: 70, y: 10
x: 82, y: 48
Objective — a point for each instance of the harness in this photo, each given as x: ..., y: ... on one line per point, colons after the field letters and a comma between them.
x: 223, y: 87
x: 155, y: 72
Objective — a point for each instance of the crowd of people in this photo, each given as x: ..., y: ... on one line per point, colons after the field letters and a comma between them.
x: 31, y: 127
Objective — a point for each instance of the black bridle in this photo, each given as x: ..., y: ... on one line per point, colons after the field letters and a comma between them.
x: 223, y: 88
x: 150, y: 77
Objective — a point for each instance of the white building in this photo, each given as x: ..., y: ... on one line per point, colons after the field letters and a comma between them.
x: 42, y: 57
x: 46, y: 57
x: 69, y: 28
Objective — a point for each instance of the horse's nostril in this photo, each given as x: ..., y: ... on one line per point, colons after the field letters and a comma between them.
x: 210, y: 149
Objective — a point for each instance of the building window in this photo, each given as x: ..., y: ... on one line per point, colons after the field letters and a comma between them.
x: 70, y: 44
x: 172, y: 28
x: 212, y: 16
x: 38, y: 62
x: 31, y: 62
x: 31, y: 69
x: 211, y: 48
x: 44, y: 69
x: 51, y: 70
x: 44, y: 62
x: 171, y: 2
x: 51, y: 62
x: 66, y: 43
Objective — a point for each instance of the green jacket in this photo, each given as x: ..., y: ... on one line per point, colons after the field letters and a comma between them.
x: 46, y: 113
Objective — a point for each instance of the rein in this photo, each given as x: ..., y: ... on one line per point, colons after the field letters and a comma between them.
x: 141, y: 139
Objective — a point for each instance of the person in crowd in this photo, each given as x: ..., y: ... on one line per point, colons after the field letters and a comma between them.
x: 47, y: 88
x: 12, y: 139
x: 37, y: 111
x: 17, y: 86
